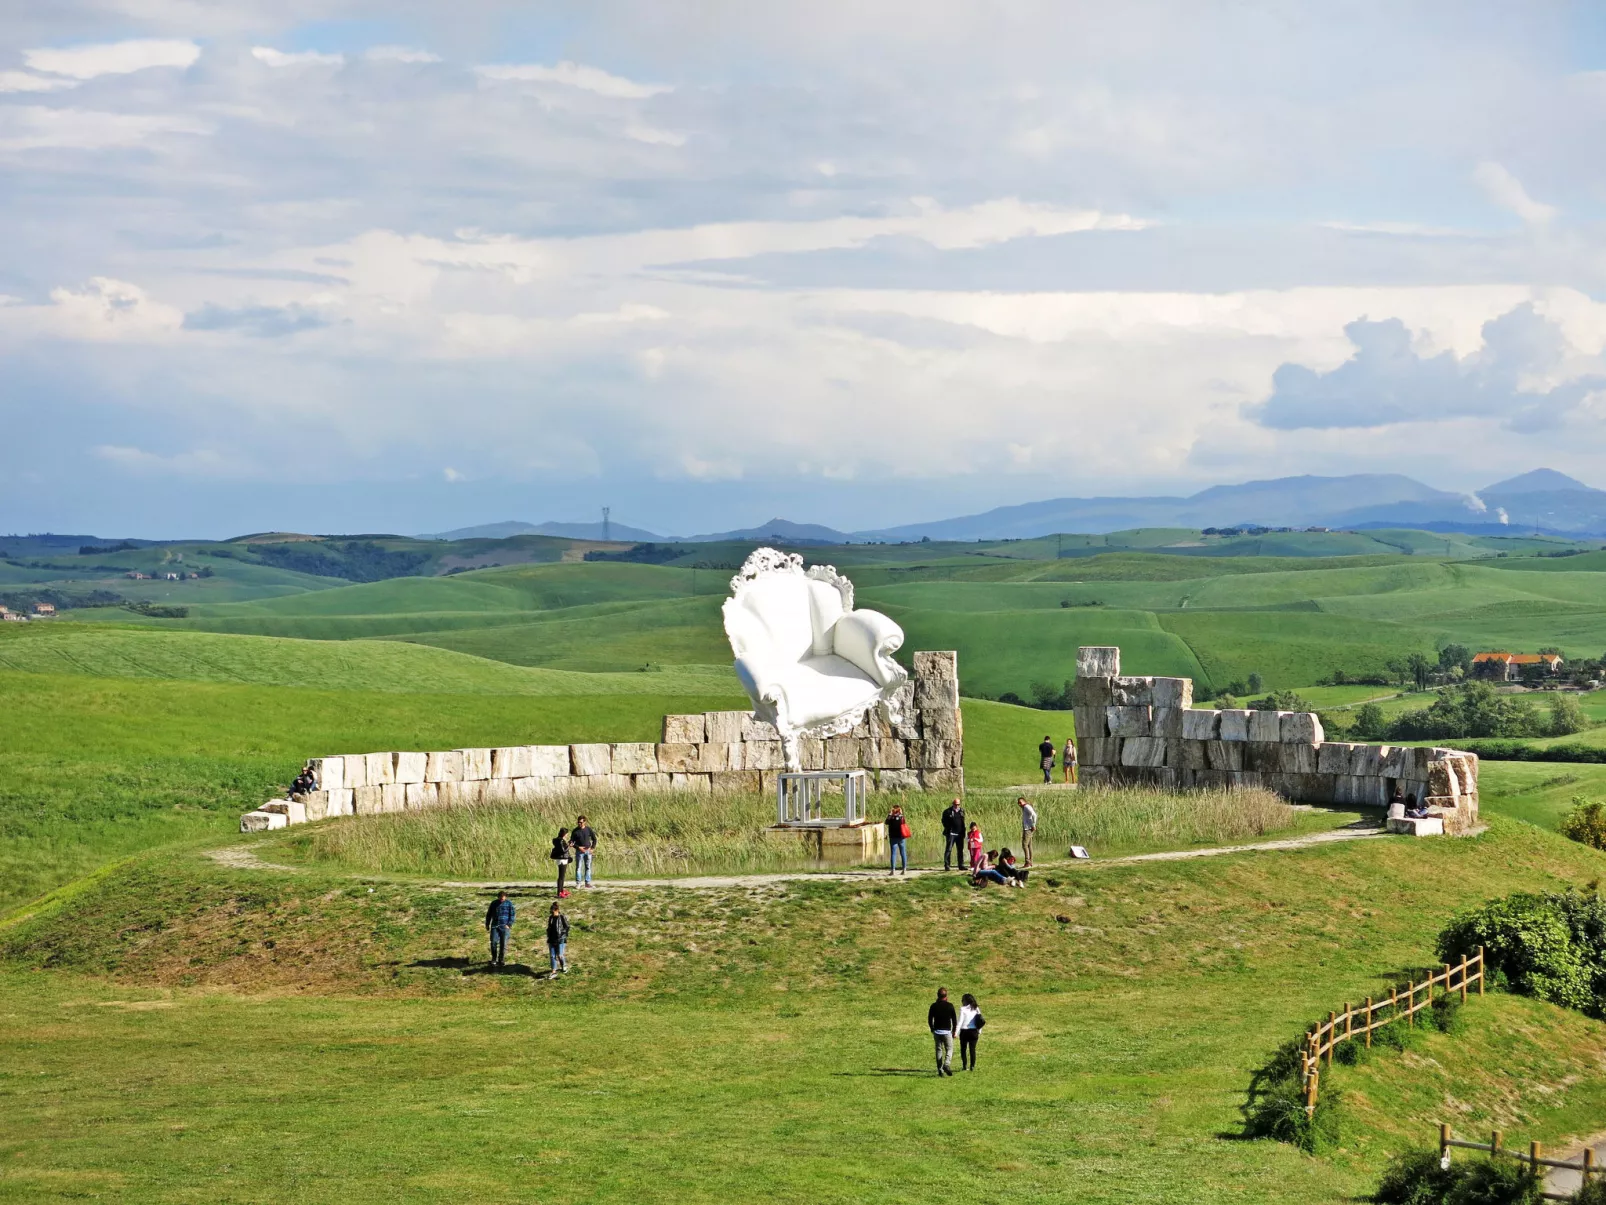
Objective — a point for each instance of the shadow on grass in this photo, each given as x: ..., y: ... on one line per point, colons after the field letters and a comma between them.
x: 471, y: 966
x: 883, y: 1071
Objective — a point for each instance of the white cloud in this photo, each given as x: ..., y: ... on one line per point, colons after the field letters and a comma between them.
x: 451, y: 474
x: 1506, y: 191
x: 575, y: 75
x: 21, y: 81
x: 34, y: 127
x: 299, y: 58
x: 655, y: 137
x: 400, y: 54
x: 201, y: 462
x: 110, y: 309
x: 112, y: 58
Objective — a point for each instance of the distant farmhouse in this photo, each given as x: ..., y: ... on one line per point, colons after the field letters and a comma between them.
x: 1510, y: 667
x: 44, y: 610
x: 7, y: 615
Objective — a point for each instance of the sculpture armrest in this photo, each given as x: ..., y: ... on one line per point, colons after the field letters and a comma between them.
x: 762, y: 687
x: 868, y: 639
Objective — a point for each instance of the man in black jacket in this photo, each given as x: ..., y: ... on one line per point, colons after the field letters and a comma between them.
x: 584, y: 840
x: 499, y: 918
x: 557, y: 938
x: 1045, y: 758
x: 953, y: 836
x: 943, y: 1019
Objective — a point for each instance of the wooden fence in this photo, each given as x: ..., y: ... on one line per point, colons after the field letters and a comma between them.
x: 1584, y: 1165
x: 1360, y: 1021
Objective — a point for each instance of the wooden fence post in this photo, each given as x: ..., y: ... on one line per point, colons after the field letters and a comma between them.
x: 1483, y: 970
x: 1332, y: 1018
x: 1463, y: 979
x: 1369, y: 1022
x: 1589, y: 1164
x: 1349, y: 1021
x: 1494, y: 1143
x: 1446, y: 983
x: 1444, y: 1140
x: 1410, y: 1007
x: 1533, y: 1157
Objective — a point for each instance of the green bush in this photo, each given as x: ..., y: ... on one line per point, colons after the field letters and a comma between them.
x: 1445, y: 1015
x: 1586, y: 823
x: 1593, y: 1193
x: 1370, y: 723
x: 1550, y: 946
x: 1566, y: 715
x: 1470, y: 709
x: 1416, y: 1178
x: 1279, y: 1112
x: 1413, y: 1178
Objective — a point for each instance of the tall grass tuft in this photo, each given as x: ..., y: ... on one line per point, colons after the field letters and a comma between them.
x: 679, y: 834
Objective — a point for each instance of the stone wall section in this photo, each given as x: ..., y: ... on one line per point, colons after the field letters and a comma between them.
x: 922, y: 749
x: 1146, y: 731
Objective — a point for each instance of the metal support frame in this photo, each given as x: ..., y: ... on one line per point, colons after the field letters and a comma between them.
x: 800, y: 797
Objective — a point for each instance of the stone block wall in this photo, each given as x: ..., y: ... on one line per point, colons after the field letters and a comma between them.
x: 1147, y: 731
x: 922, y: 748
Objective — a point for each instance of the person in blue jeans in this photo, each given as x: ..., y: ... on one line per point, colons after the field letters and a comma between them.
x: 557, y: 939
x: 584, y: 840
x: 499, y: 918
x: 897, y: 843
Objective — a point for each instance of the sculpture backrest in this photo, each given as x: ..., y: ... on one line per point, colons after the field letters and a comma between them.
x: 779, y: 613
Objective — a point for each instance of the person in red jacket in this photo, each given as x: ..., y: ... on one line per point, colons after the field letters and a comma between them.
x: 897, y: 840
x: 978, y: 846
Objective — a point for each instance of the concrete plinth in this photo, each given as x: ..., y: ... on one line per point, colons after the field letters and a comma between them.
x: 835, y: 845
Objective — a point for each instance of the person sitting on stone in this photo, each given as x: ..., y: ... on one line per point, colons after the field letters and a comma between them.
x: 305, y: 783
x: 1414, y: 809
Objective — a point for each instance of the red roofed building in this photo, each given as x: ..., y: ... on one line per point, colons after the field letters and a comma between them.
x: 1509, y: 667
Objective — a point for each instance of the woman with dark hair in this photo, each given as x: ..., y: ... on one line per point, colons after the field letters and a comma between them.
x: 970, y: 1023
x: 560, y: 855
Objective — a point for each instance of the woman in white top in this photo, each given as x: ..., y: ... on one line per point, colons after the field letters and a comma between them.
x: 1068, y: 759
x: 970, y: 1023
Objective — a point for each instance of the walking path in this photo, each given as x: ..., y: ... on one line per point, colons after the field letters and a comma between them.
x: 242, y: 858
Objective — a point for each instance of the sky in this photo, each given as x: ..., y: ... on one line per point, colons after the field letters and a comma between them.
x: 356, y: 266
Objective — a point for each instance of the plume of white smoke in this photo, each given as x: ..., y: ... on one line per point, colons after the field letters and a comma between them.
x: 1500, y: 513
x: 1475, y: 504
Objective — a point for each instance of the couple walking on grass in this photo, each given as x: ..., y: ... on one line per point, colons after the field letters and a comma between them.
x: 575, y: 845
x: 946, y: 1022
x: 1045, y: 759
x: 500, y: 918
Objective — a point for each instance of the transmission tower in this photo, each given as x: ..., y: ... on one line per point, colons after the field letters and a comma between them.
x: 606, y: 511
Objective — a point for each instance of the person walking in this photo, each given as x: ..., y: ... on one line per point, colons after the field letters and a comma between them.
x: 942, y: 1020
x: 585, y: 841
x: 557, y: 940
x: 897, y: 839
x: 1028, y: 829
x: 953, y: 836
x: 978, y: 847
x: 499, y: 918
x: 970, y: 1023
x: 1068, y: 760
x: 1045, y: 755
x: 560, y: 855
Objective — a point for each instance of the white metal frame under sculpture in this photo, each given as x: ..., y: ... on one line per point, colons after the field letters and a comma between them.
x: 812, y: 665
x: 800, y: 798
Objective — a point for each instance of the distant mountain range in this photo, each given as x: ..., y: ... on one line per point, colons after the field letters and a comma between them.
x: 1542, y: 500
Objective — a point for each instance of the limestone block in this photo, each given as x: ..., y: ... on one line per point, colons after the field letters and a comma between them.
x: 1186, y: 755
x: 1173, y: 692
x: 355, y: 770
x: 1263, y: 757
x: 1298, y: 759
x: 590, y: 760
x: 844, y: 753
x: 1347, y: 788
x: 898, y: 780
x: 294, y: 811
x: 420, y: 795
x: 657, y: 783
x: 887, y: 754
x: 767, y: 755
x: 531, y: 790
x: 1368, y: 760
x: 1417, y: 826
x: 714, y: 756
x: 943, y: 780
x: 768, y: 781
x: 1225, y: 755
x: 1095, y: 776
x: 1334, y: 757
x: 1098, y: 661
x: 680, y: 758
x: 1394, y: 761
x: 697, y: 784
x: 497, y: 790
x: 1099, y: 751
x: 903, y: 715
x: 1127, y: 721
x: 330, y: 772
x: 550, y: 761
x: 941, y: 724
x: 953, y: 755
x: 1143, y: 751
x: 381, y: 768
x: 476, y: 764
x: 811, y: 753
x: 724, y: 727
x: 1415, y: 762
x: 1234, y: 725
x: 1165, y: 778
x: 634, y: 757
x: 512, y: 762
x: 393, y: 797
x: 261, y: 822
x: 936, y: 693
x: 755, y: 729
x: 937, y: 665
x: 443, y: 767
x: 1166, y: 722
x: 735, y: 782
x: 1132, y: 692
x: 1246, y: 779
x: 1211, y: 780
x: 609, y: 784
x: 1090, y: 722
x: 366, y: 801
x: 409, y: 767
x: 1265, y: 726
x: 340, y: 803
x: 1092, y: 692
x: 685, y: 729
x: 861, y: 730
x: 1201, y: 724
x: 1314, y: 788
x: 1301, y: 726
x: 316, y: 804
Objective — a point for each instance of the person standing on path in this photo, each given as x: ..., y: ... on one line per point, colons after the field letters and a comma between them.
x: 970, y: 1023
x: 1045, y: 755
x: 942, y: 1020
x: 557, y: 940
x: 1028, y: 829
x: 1068, y: 760
x: 953, y: 836
x: 560, y: 855
x: 897, y: 839
x: 499, y: 918
x: 585, y: 841
x: 978, y: 847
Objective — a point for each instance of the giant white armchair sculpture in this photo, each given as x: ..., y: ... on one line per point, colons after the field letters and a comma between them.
x: 812, y: 665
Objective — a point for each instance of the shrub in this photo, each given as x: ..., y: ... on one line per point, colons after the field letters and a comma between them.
x: 1413, y: 1178
x: 1586, y: 823
x: 1279, y: 1112
x: 1445, y: 1015
x: 1566, y: 715
x: 1417, y: 1178
x: 1470, y: 709
x: 1593, y: 1193
x: 1550, y: 946
x: 1370, y: 724
x: 1281, y: 700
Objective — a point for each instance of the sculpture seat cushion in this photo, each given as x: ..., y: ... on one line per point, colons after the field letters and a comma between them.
x: 819, y: 689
